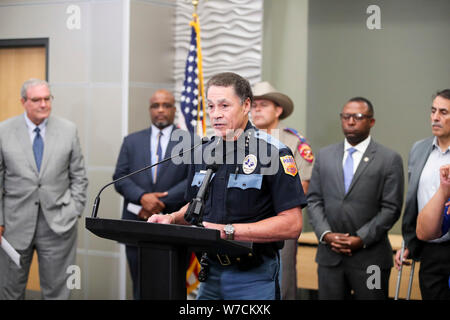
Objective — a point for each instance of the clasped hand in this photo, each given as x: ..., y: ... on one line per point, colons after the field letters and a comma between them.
x: 343, y: 243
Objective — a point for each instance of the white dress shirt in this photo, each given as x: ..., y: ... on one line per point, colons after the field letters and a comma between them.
x: 357, y: 155
x: 165, y: 138
x: 31, y: 126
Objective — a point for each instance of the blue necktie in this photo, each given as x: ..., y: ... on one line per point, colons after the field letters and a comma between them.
x: 446, y: 223
x: 158, y: 156
x: 348, y: 169
x: 38, y: 148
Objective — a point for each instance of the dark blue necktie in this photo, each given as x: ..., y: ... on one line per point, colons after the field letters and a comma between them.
x: 158, y: 156
x: 38, y: 148
x: 446, y: 222
x: 348, y: 169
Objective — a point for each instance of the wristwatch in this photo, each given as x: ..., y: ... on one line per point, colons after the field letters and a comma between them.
x: 229, y: 231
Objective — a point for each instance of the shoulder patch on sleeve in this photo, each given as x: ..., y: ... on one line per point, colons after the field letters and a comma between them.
x: 289, y: 165
x: 303, y: 148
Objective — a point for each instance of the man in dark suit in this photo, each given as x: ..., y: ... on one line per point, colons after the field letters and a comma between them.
x: 157, y: 190
x: 425, y: 159
x: 355, y: 196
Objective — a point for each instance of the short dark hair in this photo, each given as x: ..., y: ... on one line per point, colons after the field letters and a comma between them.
x: 443, y: 94
x: 241, y: 85
x: 366, y: 101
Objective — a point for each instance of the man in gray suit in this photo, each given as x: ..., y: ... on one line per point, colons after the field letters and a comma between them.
x: 425, y: 159
x: 355, y: 196
x: 42, y: 194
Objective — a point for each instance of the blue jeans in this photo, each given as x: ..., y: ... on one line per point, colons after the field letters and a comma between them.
x: 230, y: 283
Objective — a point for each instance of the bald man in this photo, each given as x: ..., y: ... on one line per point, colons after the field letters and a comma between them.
x: 159, y: 189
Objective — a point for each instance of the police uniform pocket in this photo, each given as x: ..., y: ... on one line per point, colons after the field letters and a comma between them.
x: 243, y: 196
x: 198, y: 179
x: 245, y: 181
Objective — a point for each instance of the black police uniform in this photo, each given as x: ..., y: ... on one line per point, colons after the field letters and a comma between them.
x: 239, y: 193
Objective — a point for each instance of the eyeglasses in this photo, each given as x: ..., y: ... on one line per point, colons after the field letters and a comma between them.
x: 37, y: 100
x: 355, y: 116
x: 158, y: 105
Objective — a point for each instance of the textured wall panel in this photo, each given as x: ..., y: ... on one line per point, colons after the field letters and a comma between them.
x: 231, y: 38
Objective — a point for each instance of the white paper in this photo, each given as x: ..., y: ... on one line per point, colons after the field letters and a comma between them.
x: 134, y: 208
x: 11, y: 252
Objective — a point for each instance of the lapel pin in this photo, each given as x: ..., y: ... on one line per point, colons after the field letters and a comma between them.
x: 366, y: 159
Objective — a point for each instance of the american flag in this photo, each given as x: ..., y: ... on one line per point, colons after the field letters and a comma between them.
x: 191, y: 94
x: 191, y: 105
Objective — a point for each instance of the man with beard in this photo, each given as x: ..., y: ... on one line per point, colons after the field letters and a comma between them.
x: 425, y: 159
x: 160, y: 189
x: 355, y: 196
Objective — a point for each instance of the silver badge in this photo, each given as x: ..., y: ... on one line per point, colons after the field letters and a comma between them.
x: 249, y: 164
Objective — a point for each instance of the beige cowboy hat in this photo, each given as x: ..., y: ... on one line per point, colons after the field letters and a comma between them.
x: 264, y: 90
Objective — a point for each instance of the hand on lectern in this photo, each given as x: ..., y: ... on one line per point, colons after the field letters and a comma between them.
x: 161, y: 218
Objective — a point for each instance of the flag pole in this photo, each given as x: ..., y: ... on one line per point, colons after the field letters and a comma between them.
x: 195, y: 23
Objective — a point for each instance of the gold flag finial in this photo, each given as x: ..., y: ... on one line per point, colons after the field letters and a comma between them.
x: 195, y: 4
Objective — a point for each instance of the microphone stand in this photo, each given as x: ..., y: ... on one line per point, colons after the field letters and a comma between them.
x: 97, y: 199
x: 194, y: 213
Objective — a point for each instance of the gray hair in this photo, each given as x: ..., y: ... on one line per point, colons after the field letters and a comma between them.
x: 32, y: 83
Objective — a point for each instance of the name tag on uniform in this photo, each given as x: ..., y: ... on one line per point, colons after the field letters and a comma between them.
x: 245, y: 181
x: 199, y: 177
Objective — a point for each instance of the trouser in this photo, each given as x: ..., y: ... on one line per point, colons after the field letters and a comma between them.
x: 434, y: 271
x: 289, y: 270
x: 338, y: 282
x: 55, y: 254
x: 230, y: 283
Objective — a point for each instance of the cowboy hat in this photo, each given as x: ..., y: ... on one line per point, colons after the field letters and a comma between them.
x: 264, y: 90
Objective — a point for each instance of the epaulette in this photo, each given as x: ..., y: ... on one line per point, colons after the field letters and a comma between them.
x: 303, y: 148
x: 269, y: 139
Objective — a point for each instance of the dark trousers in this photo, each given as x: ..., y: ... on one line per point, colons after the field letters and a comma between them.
x: 435, y: 271
x: 344, y: 283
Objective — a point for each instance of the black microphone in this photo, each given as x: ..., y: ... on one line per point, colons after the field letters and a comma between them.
x: 97, y: 199
x: 194, y: 213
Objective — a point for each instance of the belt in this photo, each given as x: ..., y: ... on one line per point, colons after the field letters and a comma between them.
x: 227, y: 260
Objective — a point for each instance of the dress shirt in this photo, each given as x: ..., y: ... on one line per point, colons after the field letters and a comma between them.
x: 357, y: 155
x: 165, y: 138
x: 429, y: 179
x: 31, y: 126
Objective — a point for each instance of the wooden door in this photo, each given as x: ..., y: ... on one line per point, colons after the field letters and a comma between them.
x: 18, y: 64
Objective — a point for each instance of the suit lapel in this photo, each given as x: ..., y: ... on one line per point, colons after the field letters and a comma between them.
x: 25, y: 143
x: 50, y: 141
x: 162, y: 167
x: 366, y: 160
x: 147, y: 154
x: 338, y: 167
x: 422, y: 157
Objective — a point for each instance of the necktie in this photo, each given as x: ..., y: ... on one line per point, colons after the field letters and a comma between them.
x: 348, y: 168
x: 38, y: 148
x: 446, y: 223
x: 158, y: 155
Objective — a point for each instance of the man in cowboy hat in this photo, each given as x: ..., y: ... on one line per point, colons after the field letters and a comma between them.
x: 268, y: 108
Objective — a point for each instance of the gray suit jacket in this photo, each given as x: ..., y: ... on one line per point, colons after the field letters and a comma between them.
x: 59, y: 188
x: 418, y: 156
x: 369, y: 209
